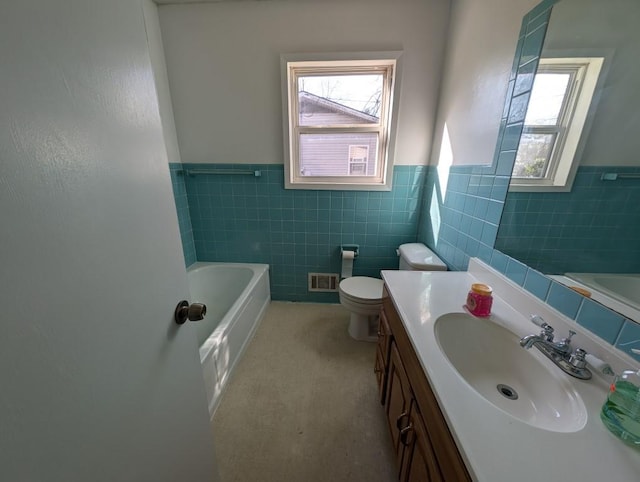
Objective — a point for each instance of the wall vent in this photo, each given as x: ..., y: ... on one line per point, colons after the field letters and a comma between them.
x: 324, y: 281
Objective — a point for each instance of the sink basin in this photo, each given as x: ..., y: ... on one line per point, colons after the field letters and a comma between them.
x: 520, y: 382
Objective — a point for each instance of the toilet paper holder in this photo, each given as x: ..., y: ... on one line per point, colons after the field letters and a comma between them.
x: 350, y: 247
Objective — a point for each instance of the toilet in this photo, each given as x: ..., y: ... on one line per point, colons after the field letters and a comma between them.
x: 362, y: 295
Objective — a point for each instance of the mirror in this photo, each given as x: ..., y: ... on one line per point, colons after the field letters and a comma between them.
x: 594, y: 227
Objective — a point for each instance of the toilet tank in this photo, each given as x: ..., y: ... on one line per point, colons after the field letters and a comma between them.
x: 417, y: 257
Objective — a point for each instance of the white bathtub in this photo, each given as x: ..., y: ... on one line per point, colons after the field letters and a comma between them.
x: 623, y: 287
x: 236, y: 296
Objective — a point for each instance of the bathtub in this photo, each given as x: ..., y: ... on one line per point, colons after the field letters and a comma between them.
x: 237, y: 296
x: 622, y: 287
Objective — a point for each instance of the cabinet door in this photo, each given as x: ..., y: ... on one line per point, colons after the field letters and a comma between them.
x: 398, y: 402
x: 382, y: 355
x: 380, y: 372
x: 419, y: 463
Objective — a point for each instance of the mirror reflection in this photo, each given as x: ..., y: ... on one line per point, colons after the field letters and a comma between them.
x: 594, y: 224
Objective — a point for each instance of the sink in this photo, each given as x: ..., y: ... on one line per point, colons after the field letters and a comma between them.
x: 517, y: 381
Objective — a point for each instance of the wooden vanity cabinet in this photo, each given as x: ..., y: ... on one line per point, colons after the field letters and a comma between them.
x: 398, y: 402
x: 382, y: 356
x: 424, y: 447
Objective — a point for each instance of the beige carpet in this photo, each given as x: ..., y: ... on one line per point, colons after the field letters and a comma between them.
x: 302, y: 404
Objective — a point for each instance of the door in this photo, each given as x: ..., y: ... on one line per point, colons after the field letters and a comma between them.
x: 96, y: 381
x: 419, y: 463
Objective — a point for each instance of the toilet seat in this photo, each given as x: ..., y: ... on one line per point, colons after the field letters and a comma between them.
x: 362, y: 289
x: 362, y: 296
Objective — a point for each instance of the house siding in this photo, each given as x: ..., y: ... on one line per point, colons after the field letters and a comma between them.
x: 328, y: 154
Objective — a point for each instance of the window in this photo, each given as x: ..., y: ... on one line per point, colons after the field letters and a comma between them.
x: 358, y: 156
x: 338, y: 122
x: 547, y: 156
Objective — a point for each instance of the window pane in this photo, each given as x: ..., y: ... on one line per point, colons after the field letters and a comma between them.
x: 338, y: 154
x: 339, y: 99
x: 533, y: 155
x: 547, y: 97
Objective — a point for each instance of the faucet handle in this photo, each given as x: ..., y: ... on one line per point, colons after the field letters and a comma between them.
x: 547, y: 329
x: 567, y: 340
x: 547, y: 332
x: 577, y: 358
x: 537, y: 320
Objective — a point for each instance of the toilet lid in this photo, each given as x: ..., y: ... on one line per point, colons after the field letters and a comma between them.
x: 362, y: 287
x: 419, y: 257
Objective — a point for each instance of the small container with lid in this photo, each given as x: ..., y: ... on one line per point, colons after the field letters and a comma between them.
x: 621, y: 412
x: 479, y: 299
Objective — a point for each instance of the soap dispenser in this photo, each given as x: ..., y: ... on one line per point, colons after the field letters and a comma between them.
x: 621, y: 412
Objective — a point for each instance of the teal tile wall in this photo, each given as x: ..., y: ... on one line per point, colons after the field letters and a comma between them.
x: 593, y: 228
x: 182, y: 207
x: 242, y: 218
x: 469, y: 214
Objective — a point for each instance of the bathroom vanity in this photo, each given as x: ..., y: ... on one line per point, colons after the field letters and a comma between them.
x: 438, y: 373
x: 424, y: 447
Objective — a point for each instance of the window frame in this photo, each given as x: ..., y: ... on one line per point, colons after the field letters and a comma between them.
x: 352, y: 160
x: 578, y: 106
x: 294, y: 66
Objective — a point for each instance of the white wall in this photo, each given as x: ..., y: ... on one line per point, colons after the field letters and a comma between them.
x: 481, y: 45
x: 224, y: 68
x: 156, y: 52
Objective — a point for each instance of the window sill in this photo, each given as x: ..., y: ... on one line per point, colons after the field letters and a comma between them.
x: 337, y: 186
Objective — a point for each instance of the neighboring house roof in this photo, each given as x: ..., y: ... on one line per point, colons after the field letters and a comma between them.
x: 308, y: 99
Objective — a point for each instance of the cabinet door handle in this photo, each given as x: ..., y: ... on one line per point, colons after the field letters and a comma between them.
x: 399, y: 420
x: 404, y: 435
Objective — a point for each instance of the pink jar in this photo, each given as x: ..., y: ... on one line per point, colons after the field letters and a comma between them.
x: 479, y: 299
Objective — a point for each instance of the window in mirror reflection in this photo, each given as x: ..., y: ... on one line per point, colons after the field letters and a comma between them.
x: 542, y: 126
x: 560, y: 101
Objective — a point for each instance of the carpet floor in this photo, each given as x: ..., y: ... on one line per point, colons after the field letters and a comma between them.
x: 302, y: 404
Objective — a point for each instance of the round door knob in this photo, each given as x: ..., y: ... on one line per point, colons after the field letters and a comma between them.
x: 192, y: 312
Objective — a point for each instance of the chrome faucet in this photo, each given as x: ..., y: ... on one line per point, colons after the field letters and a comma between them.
x: 559, y: 352
x: 546, y: 338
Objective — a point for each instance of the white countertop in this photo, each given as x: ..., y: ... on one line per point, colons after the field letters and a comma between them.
x: 495, y: 446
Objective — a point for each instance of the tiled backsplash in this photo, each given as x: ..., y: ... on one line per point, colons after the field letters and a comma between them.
x: 593, y: 228
x: 607, y: 324
x: 243, y: 218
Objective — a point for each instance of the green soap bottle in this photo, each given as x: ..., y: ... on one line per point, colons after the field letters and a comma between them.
x: 621, y: 412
